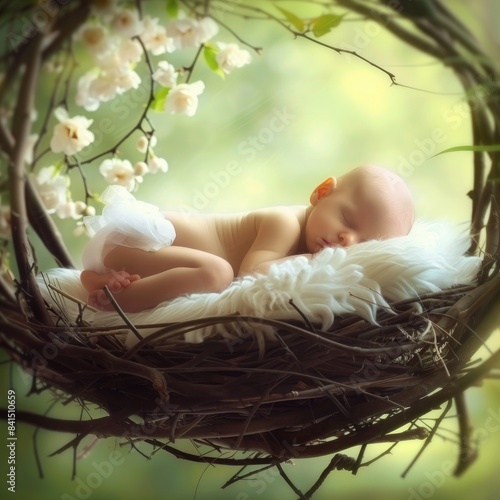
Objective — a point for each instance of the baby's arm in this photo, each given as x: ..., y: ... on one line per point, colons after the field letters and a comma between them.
x: 277, y: 239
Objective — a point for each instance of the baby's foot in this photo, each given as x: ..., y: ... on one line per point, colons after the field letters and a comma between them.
x: 120, y: 280
x: 116, y: 281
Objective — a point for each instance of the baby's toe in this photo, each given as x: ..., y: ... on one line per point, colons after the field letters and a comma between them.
x: 119, y: 280
x: 116, y: 283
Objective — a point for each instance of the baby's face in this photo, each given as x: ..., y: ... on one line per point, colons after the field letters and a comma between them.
x: 357, y: 207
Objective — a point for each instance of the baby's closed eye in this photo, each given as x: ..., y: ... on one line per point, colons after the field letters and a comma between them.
x: 348, y: 219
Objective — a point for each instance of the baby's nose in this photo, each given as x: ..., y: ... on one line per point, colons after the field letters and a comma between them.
x: 347, y: 238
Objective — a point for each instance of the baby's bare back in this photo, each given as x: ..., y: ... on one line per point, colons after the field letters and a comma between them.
x: 231, y: 236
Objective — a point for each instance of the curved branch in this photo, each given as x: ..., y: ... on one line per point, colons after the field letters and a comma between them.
x: 387, y: 21
x: 17, y: 180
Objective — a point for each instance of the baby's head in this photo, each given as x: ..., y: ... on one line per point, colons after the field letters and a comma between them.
x: 364, y: 204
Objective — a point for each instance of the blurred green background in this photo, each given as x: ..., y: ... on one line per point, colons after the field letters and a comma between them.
x: 335, y: 112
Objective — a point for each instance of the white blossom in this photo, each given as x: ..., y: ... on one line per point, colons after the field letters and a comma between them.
x: 103, y: 87
x: 117, y: 171
x: 98, y: 86
x: 187, y: 32
x: 80, y: 207
x: 79, y: 230
x: 165, y: 75
x: 127, y: 52
x: 143, y: 143
x: 183, y: 98
x: 113, y: 75
x: 155, y: 37
x: 71, y: 134
x: 85, y: 92
x: 141, y: 168
x: 67, y: 210
x: 208, y: 28
x: 95, y: 38
x: 109, y: 49
x: 155, y: 164
x: 230, y: 56
x: 52, y: 188
x: 89, y: 210
x: 72, y: 209
x: 126, y: 22
x: 122, y: 53
x: 125, y: 80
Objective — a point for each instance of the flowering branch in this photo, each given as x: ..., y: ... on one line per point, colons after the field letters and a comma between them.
x: 138, y: 126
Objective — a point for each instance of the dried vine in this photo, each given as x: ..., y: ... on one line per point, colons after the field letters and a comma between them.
x: 315, y: 393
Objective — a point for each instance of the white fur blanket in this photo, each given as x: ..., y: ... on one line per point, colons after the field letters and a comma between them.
x: 359, y: 279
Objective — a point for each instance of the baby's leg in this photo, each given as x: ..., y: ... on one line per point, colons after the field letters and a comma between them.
x: 165, y: 274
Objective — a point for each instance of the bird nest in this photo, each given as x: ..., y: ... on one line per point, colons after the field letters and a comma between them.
x: 312, y: 392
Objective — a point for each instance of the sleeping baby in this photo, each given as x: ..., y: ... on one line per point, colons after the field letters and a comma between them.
x: 146, y: 257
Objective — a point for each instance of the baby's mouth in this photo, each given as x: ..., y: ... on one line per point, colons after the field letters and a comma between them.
x: 326, y: 243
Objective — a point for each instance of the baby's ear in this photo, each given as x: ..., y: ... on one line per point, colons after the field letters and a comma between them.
x: 324, y: 189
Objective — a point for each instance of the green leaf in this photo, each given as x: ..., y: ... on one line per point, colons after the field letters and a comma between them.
x: 293, y: 19
x: 325, y: 23
x: 158, y: 103
x: 210, y: 56
x: 489, y: 148
x: 172, y: 8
